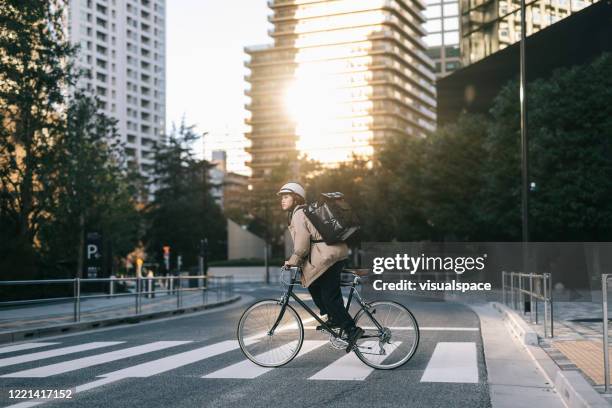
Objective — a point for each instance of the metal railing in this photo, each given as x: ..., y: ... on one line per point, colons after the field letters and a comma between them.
x: 221, y: 286
x: 604, y: 307
x: 538, y: 287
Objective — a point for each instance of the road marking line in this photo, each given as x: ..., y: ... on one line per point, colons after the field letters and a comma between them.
x: 24, y: 346
x: 250, y: 370
x: 452, y: 362
x: 174, y: 361
x: 349, y: 367
x: 149, y: 368
x: 72, y: 365
x: 432, y: 328
x: 55, y: 352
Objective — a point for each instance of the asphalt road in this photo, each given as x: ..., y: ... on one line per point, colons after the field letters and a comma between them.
x: 162, y: 364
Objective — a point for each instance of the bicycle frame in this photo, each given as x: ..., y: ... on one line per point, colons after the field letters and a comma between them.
x: 289, y: 294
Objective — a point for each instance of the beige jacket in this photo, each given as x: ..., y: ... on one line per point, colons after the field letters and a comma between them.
x: 314, y: 258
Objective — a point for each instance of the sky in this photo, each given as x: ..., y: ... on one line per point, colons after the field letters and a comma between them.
x: 205, y: 62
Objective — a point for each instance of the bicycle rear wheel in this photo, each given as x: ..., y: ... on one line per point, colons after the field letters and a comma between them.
x: 270, y: 349
x: 392, y: 346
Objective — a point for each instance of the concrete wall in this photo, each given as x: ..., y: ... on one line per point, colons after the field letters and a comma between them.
x: 242, y: 243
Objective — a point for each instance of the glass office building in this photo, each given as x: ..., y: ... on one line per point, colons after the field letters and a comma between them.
x: 442, y: 38
x: 340, y: 78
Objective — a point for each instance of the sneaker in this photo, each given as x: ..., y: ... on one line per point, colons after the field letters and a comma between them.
x: 330, y: 323
x: 353, y: 334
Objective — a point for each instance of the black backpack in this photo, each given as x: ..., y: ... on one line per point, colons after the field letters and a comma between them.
x: 333, y: 217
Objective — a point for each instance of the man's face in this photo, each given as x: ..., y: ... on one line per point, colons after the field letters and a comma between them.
x: 286, y: 201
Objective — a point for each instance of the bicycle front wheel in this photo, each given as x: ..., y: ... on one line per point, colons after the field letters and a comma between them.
x: 394, y: 342
x: 261, y: 344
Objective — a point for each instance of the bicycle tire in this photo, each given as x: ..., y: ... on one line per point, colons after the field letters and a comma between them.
x: 362, y: 356
x: 242, y: 340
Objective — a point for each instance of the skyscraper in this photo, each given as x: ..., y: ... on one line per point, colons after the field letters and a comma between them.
x: 488, y: 26
x: 122, y: 49
x: 442, y: 38
x: 340, y: 78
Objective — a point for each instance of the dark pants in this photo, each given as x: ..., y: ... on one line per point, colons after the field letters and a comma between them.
x: 326, y: 294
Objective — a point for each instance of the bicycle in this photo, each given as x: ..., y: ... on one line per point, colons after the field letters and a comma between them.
x: 271, y: 333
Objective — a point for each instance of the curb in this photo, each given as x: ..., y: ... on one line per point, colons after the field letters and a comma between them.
x: 26, y: 334
x: 517, y: 325
x: 573, y: 388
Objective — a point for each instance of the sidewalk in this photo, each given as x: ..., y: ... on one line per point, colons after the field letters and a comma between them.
x: 511, y: 371
x: 44, y: 314
x: 577, y: 344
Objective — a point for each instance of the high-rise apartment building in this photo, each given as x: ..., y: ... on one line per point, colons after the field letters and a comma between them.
x: 232, y: 141
x: 122, y: 50
x: 340, y: 78
x: 488, y: 26
x: 442, y: 38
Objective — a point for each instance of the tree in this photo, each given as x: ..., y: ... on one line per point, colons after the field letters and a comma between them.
x: 397, y: 193
x: 183, y: 210
x: 93, y: 189
x: 453, y: 172
x: 35, y: 72
x: 570, y: 139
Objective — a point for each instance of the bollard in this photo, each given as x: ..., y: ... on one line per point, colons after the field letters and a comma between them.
x: 178, y: 293
x: 531, y: 297
x: 77, y: 300
x: 546, y: 305
x: 604, y: 306
x: 521, y: 295
x: 149, y: 288
x: 112, y: 286
x: 550, y: 297
x: 504, y: 287
x: 138, y: 289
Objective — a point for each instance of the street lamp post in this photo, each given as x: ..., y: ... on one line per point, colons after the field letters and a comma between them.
x: 524, y: 141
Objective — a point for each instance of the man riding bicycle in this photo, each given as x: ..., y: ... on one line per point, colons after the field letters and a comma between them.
x: 321, y: 264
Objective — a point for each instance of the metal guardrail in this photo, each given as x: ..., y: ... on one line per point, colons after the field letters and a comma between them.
x: 537, y: 287
x: 604, y: 307
x: 144, y: 286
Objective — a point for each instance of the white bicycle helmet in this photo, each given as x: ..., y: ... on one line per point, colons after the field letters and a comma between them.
x: 294, y: 188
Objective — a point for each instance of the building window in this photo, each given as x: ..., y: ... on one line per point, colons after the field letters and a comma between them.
x: 451, y: 23
x: 434, y: 25
x: 451, y: 37
x: 433, y: 40
x: 433, y: 12
x: 451, y: 9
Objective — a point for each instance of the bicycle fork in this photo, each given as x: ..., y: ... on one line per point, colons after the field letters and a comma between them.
x: 284, y: 300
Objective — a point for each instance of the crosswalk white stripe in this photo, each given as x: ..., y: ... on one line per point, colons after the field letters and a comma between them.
x: 250, y: 370
x: 148, y: 369
x: 55, y: 352
x: 453, y: 362
x: 24, y: 346
x: 84, y: 362
x: 350, y: 368
x: 346, y: 368
x: 80, y: 388
x: 174, y: 361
